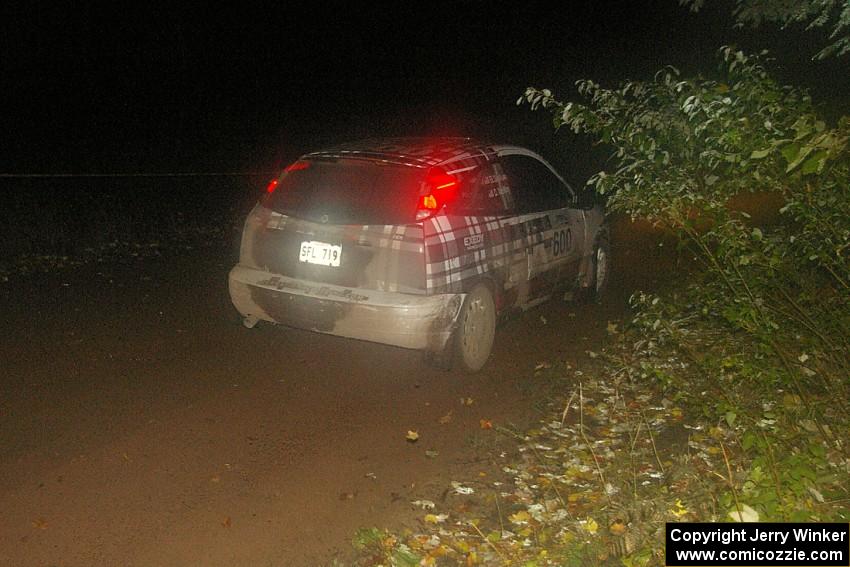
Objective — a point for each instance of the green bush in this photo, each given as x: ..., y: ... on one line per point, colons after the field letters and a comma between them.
x: 685, y: 148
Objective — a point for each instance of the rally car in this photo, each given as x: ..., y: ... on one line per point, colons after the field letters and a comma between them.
x: 419, y: 243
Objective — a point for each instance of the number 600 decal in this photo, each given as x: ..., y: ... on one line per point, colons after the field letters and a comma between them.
x: 562, y: 241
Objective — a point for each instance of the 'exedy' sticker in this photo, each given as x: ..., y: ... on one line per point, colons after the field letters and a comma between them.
x: 474, y: 241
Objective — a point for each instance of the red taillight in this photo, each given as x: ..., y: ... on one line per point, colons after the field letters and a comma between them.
x: 272, y: 186
x: 442, y: 189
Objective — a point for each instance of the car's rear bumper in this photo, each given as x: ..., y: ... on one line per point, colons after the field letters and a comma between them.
x: 405, y: 320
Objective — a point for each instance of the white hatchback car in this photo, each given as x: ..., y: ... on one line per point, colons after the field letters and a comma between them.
x: 418, y: 243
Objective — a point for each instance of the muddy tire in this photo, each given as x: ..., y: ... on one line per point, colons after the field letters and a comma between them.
x: 600, y: 272
x: 476, y: 329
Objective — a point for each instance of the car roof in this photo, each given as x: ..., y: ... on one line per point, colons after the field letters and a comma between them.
x: 418, y: 152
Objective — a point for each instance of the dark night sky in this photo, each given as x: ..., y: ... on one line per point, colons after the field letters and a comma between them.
x: 113, y: 88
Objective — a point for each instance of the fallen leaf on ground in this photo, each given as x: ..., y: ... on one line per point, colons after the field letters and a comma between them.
x: 458, y: 488
x: 679, y: 509
x: 486, y: 424
x: 746, y: 514
x: 618, y: 527
x: 412, y: 436
x: 40, y: 523
x: 436, y: 518
x: 446, y: 418
x: 226, y: 523
x: 520, y: 517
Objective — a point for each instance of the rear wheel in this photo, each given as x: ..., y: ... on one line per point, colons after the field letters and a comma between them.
x: 473, y: 338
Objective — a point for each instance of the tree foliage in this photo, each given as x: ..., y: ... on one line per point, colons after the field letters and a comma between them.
x: 834, y: 15
x: 684, y: 148
x: 683, y: 151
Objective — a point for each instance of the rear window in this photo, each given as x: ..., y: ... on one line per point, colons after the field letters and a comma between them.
x: 348, y: 191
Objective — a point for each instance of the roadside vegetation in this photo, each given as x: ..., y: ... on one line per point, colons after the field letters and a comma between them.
x: 727, y: 397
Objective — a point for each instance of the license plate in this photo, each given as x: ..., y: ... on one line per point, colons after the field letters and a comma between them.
x: 320, y: 253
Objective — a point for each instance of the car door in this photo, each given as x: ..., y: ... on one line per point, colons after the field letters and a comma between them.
x: 486, y: 238
x: 552, y: 228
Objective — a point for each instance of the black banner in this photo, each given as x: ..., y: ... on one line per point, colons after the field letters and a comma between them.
x: 758, y: 544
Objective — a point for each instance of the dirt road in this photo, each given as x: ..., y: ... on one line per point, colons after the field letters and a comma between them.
x: 142, y: 425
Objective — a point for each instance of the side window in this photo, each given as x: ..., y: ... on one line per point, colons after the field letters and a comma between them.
x: 534, y: 186
x: 485, y: 193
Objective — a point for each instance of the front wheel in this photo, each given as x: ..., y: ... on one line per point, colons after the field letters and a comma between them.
x: 600, y: 272
x: 476, y: 329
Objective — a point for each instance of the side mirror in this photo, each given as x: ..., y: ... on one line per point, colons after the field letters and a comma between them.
x: 586, y: 199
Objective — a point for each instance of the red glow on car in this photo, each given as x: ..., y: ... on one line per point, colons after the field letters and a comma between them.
x: 442, y: 189
x: 439, y: 180
x: 297, y: 166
